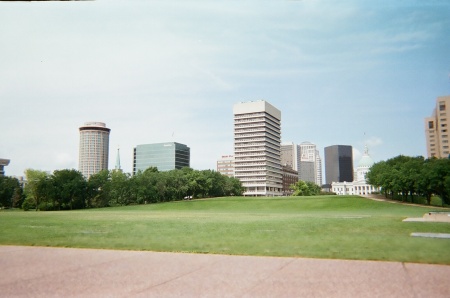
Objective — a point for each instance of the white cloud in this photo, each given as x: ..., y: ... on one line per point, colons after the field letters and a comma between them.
x: 373, y: 142
x: 160, y: 67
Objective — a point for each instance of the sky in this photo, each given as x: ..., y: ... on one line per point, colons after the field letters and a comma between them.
x: 345, y: 72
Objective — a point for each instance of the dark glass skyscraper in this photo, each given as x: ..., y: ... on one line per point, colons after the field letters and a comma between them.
x: 338, y: 164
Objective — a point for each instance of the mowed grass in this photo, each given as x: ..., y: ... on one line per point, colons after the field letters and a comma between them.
x: 321, y: 227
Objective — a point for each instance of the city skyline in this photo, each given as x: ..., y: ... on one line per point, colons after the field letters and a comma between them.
x: 341, y: 73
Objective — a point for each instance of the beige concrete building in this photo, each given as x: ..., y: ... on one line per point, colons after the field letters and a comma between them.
x: 94, y: 148
x: 436, y: 129
x: 310, y: 163
x: 290, y: 155
x: 257, y: 152
x: 303, y: 158
x: 225, y: 165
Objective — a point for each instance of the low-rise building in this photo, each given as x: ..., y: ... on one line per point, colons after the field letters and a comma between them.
x: 290, y: 176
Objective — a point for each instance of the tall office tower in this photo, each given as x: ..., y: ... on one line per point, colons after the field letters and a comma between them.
x: 257, y: 135
x: 225, y: 165
x: 437, y: 129
x: 94, y: 148
x: 310, y: 163
x: 3, y: 164
x: 319, y: 179
x: 338, y: 164
x: 163, y: 156
x: 290, y: 155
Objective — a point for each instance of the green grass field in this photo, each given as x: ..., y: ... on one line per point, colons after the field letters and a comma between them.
x: 319, y: 227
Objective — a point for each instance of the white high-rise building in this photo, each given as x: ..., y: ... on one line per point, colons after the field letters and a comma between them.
x: 257, y: 151
x: 310, y: 163
x: 94, y: 148
x: 318, y: 169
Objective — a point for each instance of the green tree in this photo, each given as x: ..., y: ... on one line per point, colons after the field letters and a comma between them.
x: 10, y: 191
x: 378, y: 176
x: 98, y: 187
x: 120, y: 192
x: 412, y: 170
x: 37, y: 186
x: 144, y: 186
x: 411, y: 176
x: 233, y: 187
x: 424, y: 185
x: 302, y: 188
x: 70, y: 188
x: 439, y: 178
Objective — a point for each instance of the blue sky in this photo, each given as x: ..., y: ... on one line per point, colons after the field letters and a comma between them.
x: 341, y: 72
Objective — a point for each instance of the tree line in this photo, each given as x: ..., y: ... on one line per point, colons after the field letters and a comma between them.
x: 412, y: 177
x: 69, y: 189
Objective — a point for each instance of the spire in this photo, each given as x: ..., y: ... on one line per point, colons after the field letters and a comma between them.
x: 117, y: 167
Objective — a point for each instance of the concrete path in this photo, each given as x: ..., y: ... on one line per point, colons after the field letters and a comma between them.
x: 67, y: 272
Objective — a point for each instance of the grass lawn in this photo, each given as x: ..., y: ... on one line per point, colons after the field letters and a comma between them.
x: 321, y: 227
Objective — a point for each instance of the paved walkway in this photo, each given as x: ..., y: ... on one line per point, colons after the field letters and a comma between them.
x: 68, y: 272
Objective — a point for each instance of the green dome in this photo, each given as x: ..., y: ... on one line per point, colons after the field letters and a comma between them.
x: 365, y: 162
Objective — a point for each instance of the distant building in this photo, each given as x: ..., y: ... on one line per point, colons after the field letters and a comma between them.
x: 117, y: 167
x: 94, y: 148
x: 290, y: 176
x: 437, y: 129
x: 290, y: 155
x: 257, y: 135
x: 3, y: 164
x: 360, y: 185
x: 225, y: 165
x: 338, y: 164
x: 303, y: 158
x: 163, y: 156
x: 22, y: 180
x: 310, y: 163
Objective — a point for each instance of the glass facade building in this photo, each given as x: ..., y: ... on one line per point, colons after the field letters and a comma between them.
x: 163, y: 156
x: 338, y: 164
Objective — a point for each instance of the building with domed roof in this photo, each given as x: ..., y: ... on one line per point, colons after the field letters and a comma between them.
x: 359, y: 185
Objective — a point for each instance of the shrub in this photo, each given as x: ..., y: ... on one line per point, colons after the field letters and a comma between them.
x: 46, y: 206
x: 28, y: 204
